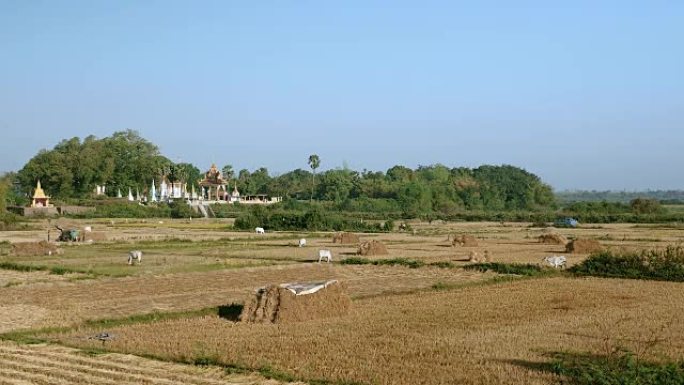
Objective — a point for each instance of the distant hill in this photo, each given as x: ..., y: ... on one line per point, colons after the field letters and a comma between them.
x: 665, y: 196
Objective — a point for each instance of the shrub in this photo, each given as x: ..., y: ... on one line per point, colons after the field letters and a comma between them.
x: 180, y: 209
x: 662, y: 265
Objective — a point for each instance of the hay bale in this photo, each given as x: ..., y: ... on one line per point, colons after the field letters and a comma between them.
x: 464, y: 240
x: 583, y: 246
x: 29, y: 249
x: 345, y: 238
x: 296, y: 302
x: 552, y: 239
x: 372, y: 248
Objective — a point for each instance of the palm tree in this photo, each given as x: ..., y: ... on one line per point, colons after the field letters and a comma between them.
x: 314, y: 163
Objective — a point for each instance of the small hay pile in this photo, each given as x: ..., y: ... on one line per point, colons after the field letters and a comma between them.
x: 464, y: 240
x: 295, y: 302
x: 29, y: 249
x: 583, y: 246
x: 372, y: 248
x: 345, y: 238
x: 552, y: 239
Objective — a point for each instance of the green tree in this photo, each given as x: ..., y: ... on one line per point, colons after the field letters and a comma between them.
x: 415, y: 198
x: 314, y: 163
x: 336, y: 185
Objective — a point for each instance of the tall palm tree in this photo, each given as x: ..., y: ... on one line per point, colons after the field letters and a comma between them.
x: 314, y: 163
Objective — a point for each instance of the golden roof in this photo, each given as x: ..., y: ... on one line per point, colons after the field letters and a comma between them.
x: 212, y: 177
x: 39, y: 193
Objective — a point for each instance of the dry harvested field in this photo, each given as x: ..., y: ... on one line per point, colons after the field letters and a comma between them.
x: 488, y: 334
x: 41, y: 364
x: 426, y: 325
x: 70, y: 303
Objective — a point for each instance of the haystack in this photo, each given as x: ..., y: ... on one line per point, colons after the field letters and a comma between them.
x: 294, y: 302
x: 464, y: 240
x: 29, y: 249
x: 583, y: 246
x: 372, y: 248
x: 345, y: 238
x: 552, y: 239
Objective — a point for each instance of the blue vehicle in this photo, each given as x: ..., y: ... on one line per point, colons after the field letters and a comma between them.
x: 567, y: 222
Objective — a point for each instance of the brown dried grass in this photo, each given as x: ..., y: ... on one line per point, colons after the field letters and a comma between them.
x: 29, y: 249
x: 46, y: 364
x: 68, y: 303
x: 428, y: 337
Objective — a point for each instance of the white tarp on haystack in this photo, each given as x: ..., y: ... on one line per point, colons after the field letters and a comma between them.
x: 307, y: 288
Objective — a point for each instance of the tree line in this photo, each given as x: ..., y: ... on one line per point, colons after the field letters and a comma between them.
x: 73, y: 168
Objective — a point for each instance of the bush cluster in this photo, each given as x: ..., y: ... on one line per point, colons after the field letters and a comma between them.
x: 662, y: 265
x: 312, y: 220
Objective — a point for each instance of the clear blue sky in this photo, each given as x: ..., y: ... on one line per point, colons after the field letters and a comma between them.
x: 586, y: 94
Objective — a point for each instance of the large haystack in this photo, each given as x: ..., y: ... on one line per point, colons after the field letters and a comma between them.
x: 346, y: 238
x: 552, y: 239
x: 294, y: 302
x: 583, y: 246
x: 29, y: 249
x: 372, y: 248
x: 464, y: 240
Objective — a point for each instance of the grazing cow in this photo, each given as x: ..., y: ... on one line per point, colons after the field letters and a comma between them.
x: 324, y: 254
x: 133, y: 256
x: 88, y: 229
x: 302, y: 242
x: 260, y: 230
x: 555, y: 261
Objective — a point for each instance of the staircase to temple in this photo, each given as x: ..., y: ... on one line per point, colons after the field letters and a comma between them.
x: 203, y: 210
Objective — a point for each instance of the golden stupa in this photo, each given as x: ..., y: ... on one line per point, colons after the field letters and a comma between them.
x: 39, y: 197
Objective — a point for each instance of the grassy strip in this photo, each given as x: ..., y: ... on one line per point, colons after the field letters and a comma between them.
x: 411, y: 263
x: 57, y: 270
x: 512, y: 268
x: 446, y: 286
x: 626, y: 368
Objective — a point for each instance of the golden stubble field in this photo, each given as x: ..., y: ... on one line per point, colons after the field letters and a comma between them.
x: 400, y: 330
x: 487, y: 334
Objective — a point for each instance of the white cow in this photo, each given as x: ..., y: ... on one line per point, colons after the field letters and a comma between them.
x: 135, y: 255
x: 324, y: 254
x: 260, y: 230
x: 555, y: 261
x: 302, y: 242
